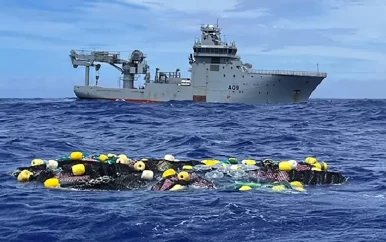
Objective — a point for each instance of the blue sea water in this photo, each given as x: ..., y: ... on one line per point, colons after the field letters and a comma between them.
x: 350, y: 135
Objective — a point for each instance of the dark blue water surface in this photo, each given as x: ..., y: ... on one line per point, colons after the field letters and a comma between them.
x: 348, y: 134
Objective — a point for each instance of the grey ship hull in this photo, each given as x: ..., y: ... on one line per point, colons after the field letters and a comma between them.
x: 263, y: 89
x: 217, y: 75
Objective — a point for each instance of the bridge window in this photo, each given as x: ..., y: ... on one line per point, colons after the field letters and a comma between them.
x: 210, y: 50
x: 199, y: 50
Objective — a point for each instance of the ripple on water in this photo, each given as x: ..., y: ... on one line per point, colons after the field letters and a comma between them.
x: 348, y: 134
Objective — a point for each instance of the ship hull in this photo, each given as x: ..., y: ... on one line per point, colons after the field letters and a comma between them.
x: 262, y: 89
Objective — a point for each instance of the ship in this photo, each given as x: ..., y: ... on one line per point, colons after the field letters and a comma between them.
x: 217, y: 75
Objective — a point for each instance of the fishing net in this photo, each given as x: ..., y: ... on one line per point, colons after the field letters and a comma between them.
x: 111, y: 172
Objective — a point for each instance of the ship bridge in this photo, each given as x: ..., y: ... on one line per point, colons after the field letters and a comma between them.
x: 210, y: 45
x: 210, y: 49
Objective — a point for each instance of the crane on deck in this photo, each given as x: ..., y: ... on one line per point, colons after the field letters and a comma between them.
x: 129, y: 68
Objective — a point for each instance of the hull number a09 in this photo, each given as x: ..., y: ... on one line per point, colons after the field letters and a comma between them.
x: 233, y: 87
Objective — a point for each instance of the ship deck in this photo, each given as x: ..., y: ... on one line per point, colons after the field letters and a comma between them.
x: 289, y: 73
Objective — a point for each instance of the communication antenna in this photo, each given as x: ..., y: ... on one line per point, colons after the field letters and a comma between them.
x: 217, y: 22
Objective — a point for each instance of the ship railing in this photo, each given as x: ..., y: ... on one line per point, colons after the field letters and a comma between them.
x: 97, y: 52
x: 171, y: 74
x: 289, y: 73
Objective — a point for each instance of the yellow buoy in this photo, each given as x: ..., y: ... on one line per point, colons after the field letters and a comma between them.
x: 317, y: 166
x: 248, y: 162
x: 187, y: 167
x: 24, y: 176
x: 310, y: 160
x: 278, y: 188
x: 177, y: 187
x: 168, y: 172
x: 37, y: 162
x: 285, y: 166
x: 296, y: 185
x: 323, y: 166
x: 245, y: 188
x: 139, y: 166
x: 76, y: 155
x: 210, y: 162
x: 78, y: 170
x: 183, y: 176
x: 299, y: 189
x: 103, y: 157
x: 51, y: 183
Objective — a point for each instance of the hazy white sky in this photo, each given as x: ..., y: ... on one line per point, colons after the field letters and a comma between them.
x: 346, y: 38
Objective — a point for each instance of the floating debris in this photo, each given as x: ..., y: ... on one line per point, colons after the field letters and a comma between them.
x: 119, y: 172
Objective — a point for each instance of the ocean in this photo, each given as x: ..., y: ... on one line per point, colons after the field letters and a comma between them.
x: 350, y: 135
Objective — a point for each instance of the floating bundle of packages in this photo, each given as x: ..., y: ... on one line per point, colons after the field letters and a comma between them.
x: 118, y: 172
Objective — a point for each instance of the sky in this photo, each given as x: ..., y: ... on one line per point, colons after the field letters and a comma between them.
x: 345, y: 38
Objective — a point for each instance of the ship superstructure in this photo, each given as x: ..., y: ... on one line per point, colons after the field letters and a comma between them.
x: 217, y: 75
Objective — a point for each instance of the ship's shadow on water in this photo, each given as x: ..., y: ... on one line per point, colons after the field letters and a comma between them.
x: 347, y: 134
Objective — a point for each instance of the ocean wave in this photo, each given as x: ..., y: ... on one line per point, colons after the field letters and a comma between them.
x: 348, y: 134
